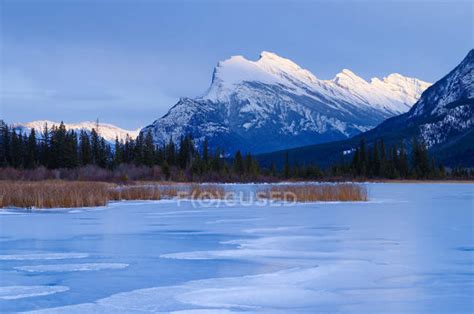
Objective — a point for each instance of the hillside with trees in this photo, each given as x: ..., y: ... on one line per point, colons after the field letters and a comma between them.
x: 58, y: 153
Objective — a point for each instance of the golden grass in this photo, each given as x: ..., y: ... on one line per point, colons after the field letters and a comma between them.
x: 142, y: 192
x: 206, y: 191
x: 343, y: 192
x: 50, y: 194
x: 68, y: 194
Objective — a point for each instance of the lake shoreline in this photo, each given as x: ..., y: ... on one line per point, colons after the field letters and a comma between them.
x: 74, y: 194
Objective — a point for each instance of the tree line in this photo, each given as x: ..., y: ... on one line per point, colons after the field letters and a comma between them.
x: 57, y: 148
x: 394, y: 162
x: 377, y: 161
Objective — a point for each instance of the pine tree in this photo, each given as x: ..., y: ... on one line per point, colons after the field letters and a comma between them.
x: 355, y: 164
x: 295, y: 170
x: 71, y: 159
x: 104, y: 153
x: 185, y: 152
x: 370, y: 162
x: 138, y: 150
x: 313, y: 172
x: 118, y: 153
x: 393, y: 164
x: 170, y: 153
x: 128, y: 149
x: 5, y: 158
x: 420, y: 160
x: 273, y: 170
x: 197, y: 167
x: 433, y: 170
x: 254, y: 169
x: 16, y: 149
x: 403, y: 169
x: 442, y: 171
x: 44, y: 147
x: 216, y: 164
x: 57, y: 152
x: 205, y: 151
x: 149, y: 150
x: 383, y: 171
x: 286, y: 168
x: 376, y: 161
x: 166, y: 169
x: 31, y: 151
x: 95, y: 147
x: 363, y: 160
x: 248, y: 163
x: 85, y: 153
x: 238, y: 166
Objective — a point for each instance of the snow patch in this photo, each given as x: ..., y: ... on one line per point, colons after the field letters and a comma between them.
x: 108, y: 131
x: 41, y: 256
x: 71, y: 267
x: 20, y: 292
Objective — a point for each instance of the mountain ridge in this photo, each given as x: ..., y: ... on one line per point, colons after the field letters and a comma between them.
x: 274, y: 103
x: 443, y: 119
x: 106, y: 130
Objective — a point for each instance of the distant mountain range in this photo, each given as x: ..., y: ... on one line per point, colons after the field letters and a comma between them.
x: 443, y: 118
x: 108, y: 131
x: 272, y: 103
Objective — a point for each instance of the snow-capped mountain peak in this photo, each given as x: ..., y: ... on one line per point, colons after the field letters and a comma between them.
x: 269, y: 69
x: 284, y: 68
x: 283, y: 104
x: 108, y: 131
x: 394, y: 93
x: 237, y: 69
x: 347, y: 78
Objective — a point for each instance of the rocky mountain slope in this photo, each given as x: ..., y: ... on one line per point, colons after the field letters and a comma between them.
x: 443, y: 119
x: 273, y: 103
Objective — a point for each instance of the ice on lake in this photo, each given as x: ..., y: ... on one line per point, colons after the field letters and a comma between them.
x: 409, y: 249
x: 71, y: 267
x: 18, y: 292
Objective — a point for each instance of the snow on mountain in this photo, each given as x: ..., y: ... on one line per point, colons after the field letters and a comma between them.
x: 273, y: 103
x: 443, y: 118
x: 108, y: 131
x: 446, y: 110
x: 444, y: 114
x: 458, y: 84
x: 394, y: 93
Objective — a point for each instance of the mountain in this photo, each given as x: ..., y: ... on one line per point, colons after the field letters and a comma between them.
x: 273, y: 103
x: 443, y: 119
x: 108, y: 131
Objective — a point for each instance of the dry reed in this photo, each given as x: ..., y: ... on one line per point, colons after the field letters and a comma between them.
x: 68, y: 194
x: 142, y: 192
x: 206, y: 191
x: 312, y: 193
x: 50, y: 194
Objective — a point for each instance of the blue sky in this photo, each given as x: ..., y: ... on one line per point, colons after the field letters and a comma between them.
x: 127, y: 62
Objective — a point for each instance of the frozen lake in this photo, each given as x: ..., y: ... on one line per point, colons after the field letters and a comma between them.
x: 409, y: 249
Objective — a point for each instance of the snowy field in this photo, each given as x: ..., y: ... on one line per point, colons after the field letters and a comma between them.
x: 409, y: 249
